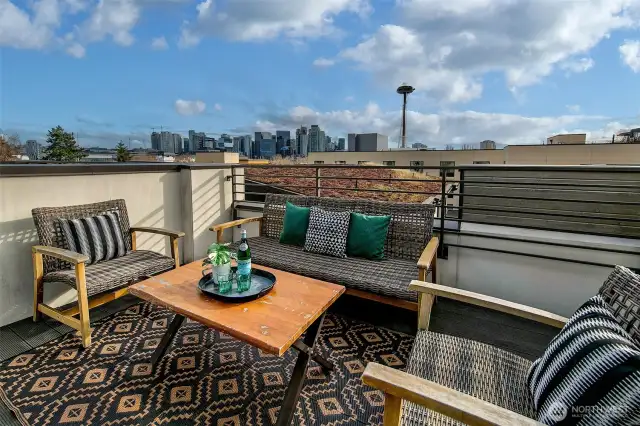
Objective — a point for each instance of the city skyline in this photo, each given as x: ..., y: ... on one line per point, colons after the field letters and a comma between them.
x: 558, y: 67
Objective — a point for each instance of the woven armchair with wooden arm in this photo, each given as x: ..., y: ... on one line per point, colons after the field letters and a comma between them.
x: 454, y: 381
x: 97, y: 283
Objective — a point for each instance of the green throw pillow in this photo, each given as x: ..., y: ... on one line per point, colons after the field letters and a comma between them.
x: 367, y: 235
x: 296, y: 222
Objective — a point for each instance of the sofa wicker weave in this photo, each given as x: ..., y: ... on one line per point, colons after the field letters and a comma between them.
x: 455, y: 381
x: 410, y: 248
x: 106, y: 280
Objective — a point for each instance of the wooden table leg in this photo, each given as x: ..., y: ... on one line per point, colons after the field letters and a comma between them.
x: 299, y: 373
x: 167, y: 338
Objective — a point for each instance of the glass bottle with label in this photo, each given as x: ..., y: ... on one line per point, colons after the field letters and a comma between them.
x: 244, y: 263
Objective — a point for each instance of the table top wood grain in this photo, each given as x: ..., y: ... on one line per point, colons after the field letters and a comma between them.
x: 272, y: 323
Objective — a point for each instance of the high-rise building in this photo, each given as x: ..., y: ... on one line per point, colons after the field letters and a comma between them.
x: 418, y: 145
x: 268, y: 148
x: 370, y: 142
x: 246, y: 145
x: 167, y: 142
x: 177, y: 143
x: 33, y: 149
x: 316, y: 139
x: 156, y: 143
x: 185, y: 146
x: 282, y: 140
x: 208, y: 143
x: 352, y: 141
x: 196, y: 141
x: 302, y: 142
x: 328, y: 144
x: 489, y: 144
x: 260, y: 136
x: 341, y: 144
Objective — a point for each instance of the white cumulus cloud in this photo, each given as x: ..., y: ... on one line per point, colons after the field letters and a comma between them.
x: 159, y: 43
x: 323, y: 62
x: 630, y: 53
x: 446, y: 47
x: 184, y: 107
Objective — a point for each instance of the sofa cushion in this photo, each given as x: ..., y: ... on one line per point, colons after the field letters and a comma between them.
x: 117, y: 272
x: 295, y: 224
x: 621, y: 292
x: 367, y: 235
x: 477, y: 369
x: 388, y: 277
x: 97, y: 237
x: 591, y: 363
x: 327, y: 232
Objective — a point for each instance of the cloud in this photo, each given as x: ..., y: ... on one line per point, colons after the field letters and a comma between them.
x: 250, y: 20
x: 434, y: 129
x: 573, y: 108
x: 190, y: 107
x: 159, y: 43
x: 446, y: 47
x: 630, y: 54
x: 76, y: 50
x: 323, y: 62
x: 577, y: 65
x: 217, y: 107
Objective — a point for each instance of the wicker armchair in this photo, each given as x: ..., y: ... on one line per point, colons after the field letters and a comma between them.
x: 454, y: 381
x: 98, y: 283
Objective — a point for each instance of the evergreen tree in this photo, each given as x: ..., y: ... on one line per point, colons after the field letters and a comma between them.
x: 62, y: 146
x: 121, y: 153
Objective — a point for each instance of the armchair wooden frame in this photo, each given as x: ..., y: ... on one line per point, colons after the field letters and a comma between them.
x: 427, y: 260
x: 398, y: 386
x: 67, y: 316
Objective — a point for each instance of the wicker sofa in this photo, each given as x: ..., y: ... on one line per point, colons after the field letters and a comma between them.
x: 410, y: 248
x: 97, y: 283
x: 454, y: 381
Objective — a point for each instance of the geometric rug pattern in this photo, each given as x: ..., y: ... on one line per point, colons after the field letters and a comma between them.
x: 205, y: 378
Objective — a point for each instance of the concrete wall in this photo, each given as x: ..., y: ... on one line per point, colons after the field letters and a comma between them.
x: 190, y: 200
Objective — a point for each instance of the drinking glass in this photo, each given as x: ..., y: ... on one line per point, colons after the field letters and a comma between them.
x: 244, y: 282
x: 225, y: 282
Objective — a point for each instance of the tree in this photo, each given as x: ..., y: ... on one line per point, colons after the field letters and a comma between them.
x: 122, y: 154
x: 8, y: 150
x: 62, y: 146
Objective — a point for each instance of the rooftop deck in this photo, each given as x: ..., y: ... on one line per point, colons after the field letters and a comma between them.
x: 541, y: 236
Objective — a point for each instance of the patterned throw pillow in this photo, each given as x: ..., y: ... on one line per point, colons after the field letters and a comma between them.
x: 98, y: 237
x: 327, y: 232
x: 589, y: 374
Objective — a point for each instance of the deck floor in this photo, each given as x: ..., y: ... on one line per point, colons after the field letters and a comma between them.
x: 523, y: 337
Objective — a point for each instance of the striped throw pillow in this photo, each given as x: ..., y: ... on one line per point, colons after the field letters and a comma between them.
x: 589, y: 374
x: 98, y: 237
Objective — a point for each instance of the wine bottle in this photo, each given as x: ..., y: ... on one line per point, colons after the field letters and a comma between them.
x: 244, y: 256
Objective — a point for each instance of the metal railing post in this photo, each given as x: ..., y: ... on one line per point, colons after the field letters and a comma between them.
x: 443, y: 210
x: 317, y: 181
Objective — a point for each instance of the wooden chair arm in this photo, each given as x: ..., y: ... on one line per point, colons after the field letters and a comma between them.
x: 233, y: 223
x: 161, y: 231
x: 398, y: 385
x: 494, y: 303
x: 428, y: 254
x: 58, y: 253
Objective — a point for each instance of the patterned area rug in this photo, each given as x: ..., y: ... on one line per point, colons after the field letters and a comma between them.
x: 206, y: 377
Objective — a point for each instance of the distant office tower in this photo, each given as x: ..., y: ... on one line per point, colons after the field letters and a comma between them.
x: 370, y: 142
x: 418, y: 145
x: 301, y: 145
x: 224, y: 143
x: 177, y: 143
x: 167, y: 142
x: 209, y: 143
x: 282, y: 140
x: 260, y: 136
x: 328, y: 144
x: 33, y: 149
x: 237, y: 142
x: 246, y: 145
x: 341, y: 144
x: 156, y: 142
x: 352, y: 141
x: 268, y: 148
x: 316, y: 139
x: 196, y: 141
x: 489, y: 144
x: 185, y: 146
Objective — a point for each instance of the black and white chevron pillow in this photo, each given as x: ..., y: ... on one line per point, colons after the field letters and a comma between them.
x: 589, y: 374
x: 327, y: 232
x: 98, y: 237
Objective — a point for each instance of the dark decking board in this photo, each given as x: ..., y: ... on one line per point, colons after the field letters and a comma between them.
x: 521, y: 336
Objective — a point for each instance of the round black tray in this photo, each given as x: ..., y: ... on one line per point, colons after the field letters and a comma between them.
x: 261, y: 283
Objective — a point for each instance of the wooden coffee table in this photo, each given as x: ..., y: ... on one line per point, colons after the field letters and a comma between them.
x: 273, y: 323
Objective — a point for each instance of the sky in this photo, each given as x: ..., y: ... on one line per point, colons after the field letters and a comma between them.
x: 514, y: 71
